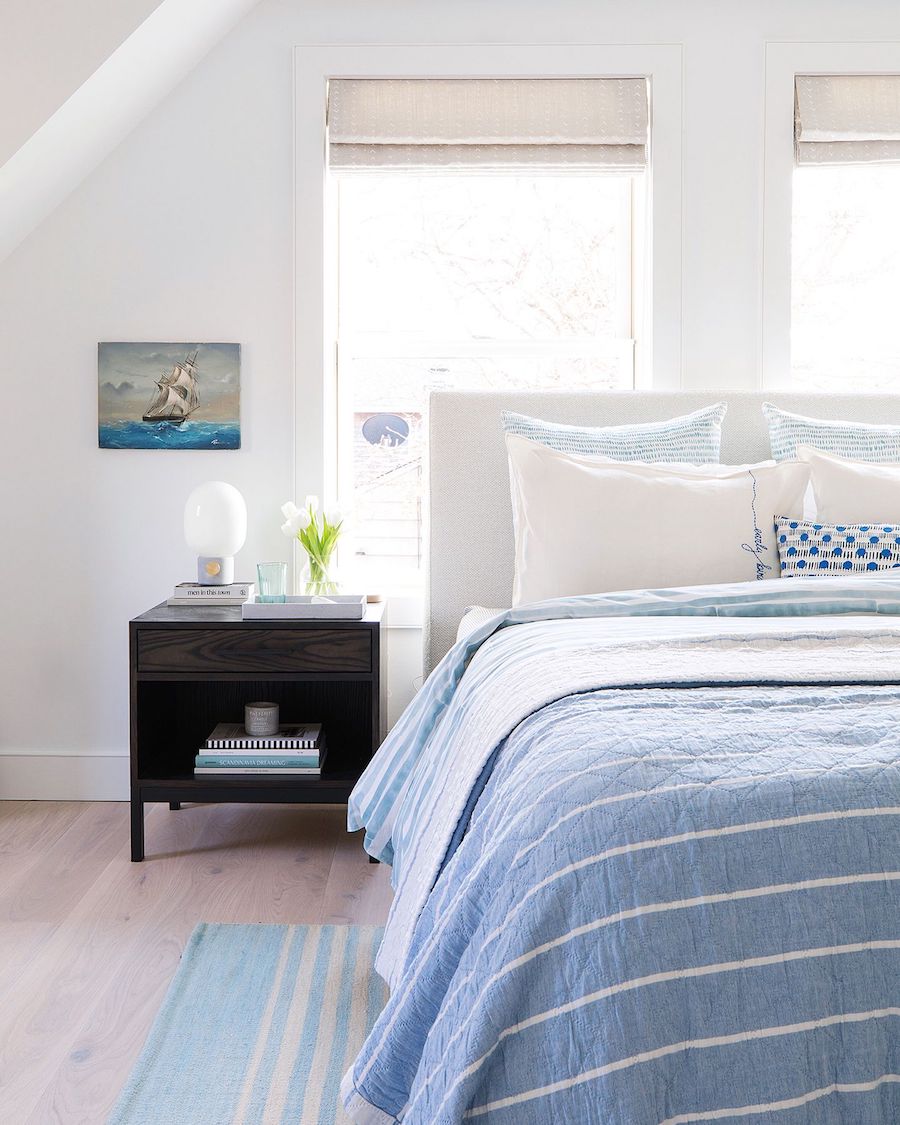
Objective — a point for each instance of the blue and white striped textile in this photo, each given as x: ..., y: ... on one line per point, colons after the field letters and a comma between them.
x: 634, y: 885
x: 257, y: 1027
x: 690, y: 438
x: 379, y: 795
x: 648, y: 922
x: 861, y: 441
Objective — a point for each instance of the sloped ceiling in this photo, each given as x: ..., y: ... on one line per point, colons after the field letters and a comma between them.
x: 125, y: 86
x: 48, y: 48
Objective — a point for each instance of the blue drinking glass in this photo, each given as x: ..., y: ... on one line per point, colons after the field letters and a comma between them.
x: 271, y: 581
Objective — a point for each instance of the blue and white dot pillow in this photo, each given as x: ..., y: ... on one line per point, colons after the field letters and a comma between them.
x: 806, y: 548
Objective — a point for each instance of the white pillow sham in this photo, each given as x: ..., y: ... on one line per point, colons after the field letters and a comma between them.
x: 587, y: 525
x: 848, y: 491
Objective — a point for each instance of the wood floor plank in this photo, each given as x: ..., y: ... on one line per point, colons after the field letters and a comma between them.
x: 358, y: 891
x: 29, y: 826
x: 49, y: 882
x: 38, y: 890
x: 74, y: 1023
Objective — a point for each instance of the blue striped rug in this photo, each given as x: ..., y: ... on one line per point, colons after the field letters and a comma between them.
x: 257, y: 1028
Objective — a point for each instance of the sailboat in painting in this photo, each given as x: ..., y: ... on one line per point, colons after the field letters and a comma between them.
x: 176, y: 396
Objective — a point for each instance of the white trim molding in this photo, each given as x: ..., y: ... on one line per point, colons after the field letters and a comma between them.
x: 314, y: 65
x: 63, y: 775
x: 783, y: 62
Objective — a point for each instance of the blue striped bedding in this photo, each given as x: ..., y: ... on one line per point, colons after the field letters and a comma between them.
x: 670, y: 894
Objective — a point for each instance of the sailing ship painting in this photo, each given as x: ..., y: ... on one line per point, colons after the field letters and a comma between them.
x: 169, y: 396
x: 176, y: 397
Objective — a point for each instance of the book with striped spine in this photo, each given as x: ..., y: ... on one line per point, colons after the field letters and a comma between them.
x: 293, y: 736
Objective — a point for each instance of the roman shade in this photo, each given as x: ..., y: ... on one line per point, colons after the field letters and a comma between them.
x: 479, y: 124
x: 847, y: 118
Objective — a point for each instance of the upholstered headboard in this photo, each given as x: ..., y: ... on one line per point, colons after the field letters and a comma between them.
x: 470, y: 545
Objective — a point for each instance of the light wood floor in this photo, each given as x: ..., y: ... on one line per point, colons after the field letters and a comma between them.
x: 89, y: 941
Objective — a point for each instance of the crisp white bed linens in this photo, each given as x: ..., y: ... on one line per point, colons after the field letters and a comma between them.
x: 848, y: 491
x: 587, y: 525
x: 522, y: 669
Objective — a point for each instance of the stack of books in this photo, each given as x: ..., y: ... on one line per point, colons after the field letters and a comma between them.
x: 298, y: 750
x: 194, y: 593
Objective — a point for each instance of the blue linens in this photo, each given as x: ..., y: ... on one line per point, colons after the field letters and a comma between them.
x: 657, y: 921
x: 647, y: 860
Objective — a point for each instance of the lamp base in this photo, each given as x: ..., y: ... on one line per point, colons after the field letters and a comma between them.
x: 215, y: 570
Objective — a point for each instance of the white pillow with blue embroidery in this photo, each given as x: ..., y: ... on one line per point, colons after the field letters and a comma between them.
x: 862, y: 441
x: 588, y: 525
x: 806, y: 548
x: 692, y: 439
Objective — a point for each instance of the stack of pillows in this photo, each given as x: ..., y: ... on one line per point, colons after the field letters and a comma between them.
x: 649, y: 506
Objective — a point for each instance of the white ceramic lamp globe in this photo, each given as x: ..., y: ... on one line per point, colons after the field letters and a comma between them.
x: 215, y: 526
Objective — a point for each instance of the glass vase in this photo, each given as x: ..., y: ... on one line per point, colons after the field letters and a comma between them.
x: 320, y: 577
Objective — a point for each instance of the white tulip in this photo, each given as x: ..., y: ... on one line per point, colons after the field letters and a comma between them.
x: 333, y: 515
x: 300, y: 521
x: 288, y: 529
x: 311, y: 503
x: 289, y: 510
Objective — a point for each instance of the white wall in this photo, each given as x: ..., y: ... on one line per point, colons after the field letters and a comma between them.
x: 185, y: 232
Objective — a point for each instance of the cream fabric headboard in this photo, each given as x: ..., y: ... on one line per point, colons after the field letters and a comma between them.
x: 469, y: 520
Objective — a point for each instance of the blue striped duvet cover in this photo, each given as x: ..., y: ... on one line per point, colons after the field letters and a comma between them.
x: 663, y: 903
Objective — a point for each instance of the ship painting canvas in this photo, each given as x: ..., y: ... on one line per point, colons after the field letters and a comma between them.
x: 169, y: 396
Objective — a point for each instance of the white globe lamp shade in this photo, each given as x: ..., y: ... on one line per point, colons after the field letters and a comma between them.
x: 215, y: 526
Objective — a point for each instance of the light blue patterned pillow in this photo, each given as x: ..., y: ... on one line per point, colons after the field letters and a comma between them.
x: 861, y: 441
x: 690, y: 439
x: 807, y: 549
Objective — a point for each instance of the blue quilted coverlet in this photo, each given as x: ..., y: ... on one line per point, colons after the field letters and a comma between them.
x: 662, y: 905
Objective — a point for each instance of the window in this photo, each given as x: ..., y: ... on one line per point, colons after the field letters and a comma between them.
x: 845, y: 282
x: 490, y: 266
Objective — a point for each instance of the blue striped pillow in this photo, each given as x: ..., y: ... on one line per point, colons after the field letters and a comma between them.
x: 861, y: 441
x: 690, y: 439
x: 806, y: 549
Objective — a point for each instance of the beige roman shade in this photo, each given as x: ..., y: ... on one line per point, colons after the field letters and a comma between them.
x: 847, y: 118
x: 479, y: 124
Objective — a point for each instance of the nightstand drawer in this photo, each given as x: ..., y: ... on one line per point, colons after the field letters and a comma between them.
x: 254, y: 650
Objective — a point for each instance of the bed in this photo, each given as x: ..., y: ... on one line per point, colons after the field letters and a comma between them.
x: 646, y: 844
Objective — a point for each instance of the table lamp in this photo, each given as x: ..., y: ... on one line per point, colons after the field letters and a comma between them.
x: 215, y: 526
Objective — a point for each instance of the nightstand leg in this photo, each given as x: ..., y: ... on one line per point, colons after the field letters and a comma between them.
x: 137, y: 829
x: 174, y: 806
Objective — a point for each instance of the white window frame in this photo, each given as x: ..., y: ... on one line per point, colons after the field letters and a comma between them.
x: 659, y: 333
x: 783, y: 62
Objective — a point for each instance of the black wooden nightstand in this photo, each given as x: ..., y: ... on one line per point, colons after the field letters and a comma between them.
x: 192, y: 668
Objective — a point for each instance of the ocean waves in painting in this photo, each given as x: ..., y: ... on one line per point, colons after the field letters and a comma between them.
x: 163, y: 435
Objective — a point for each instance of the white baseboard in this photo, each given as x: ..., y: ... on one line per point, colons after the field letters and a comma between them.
x: 47, y: 776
